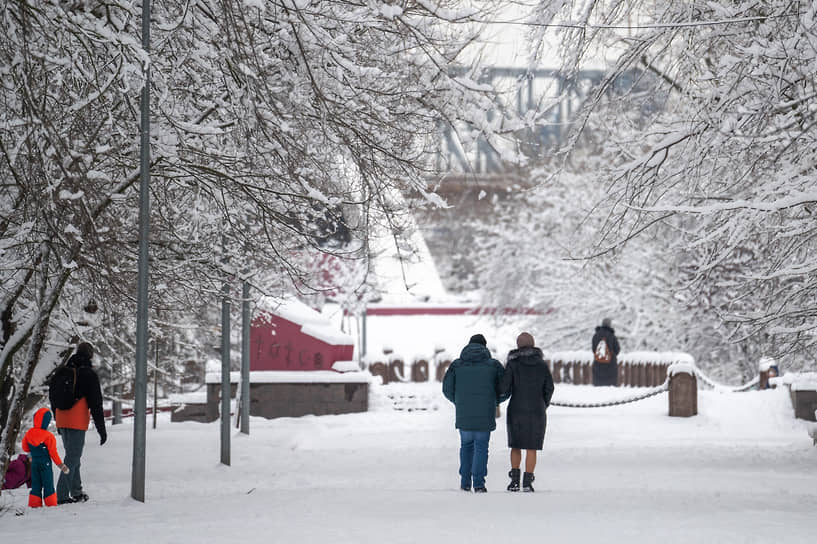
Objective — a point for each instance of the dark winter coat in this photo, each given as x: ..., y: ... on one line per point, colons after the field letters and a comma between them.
x: 606, y: 373
x: 528, y: 381
x: 471, y: 383
x: 89, y: 393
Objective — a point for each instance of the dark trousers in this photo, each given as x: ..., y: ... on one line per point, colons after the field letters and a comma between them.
x: 73, y: 440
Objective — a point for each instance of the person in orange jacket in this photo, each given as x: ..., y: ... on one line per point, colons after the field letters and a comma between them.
x: 42, y: 445
x: 73, y: 423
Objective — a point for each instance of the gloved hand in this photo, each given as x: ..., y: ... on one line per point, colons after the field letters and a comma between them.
x: 103, y: 436
x: 64, y: 468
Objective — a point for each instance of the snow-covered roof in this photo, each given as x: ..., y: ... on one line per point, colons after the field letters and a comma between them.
x: 312, y: 322
x: 803, y: 381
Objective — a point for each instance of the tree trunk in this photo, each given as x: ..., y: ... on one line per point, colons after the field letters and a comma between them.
x: 36, y: 339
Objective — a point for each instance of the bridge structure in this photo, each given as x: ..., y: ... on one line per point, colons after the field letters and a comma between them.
x: 549, y: 98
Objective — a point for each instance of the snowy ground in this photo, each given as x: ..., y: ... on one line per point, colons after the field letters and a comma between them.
x: 742, y: 471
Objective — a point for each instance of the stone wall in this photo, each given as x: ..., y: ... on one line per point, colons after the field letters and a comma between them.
x: 271, y: 400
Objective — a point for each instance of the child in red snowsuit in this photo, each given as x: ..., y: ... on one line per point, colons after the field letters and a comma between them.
x: 42, y: 446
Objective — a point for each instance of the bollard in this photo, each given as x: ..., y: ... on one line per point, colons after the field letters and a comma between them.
x: 683, y: 390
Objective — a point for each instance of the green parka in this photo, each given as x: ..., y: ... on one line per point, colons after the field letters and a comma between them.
x: 471, y: 383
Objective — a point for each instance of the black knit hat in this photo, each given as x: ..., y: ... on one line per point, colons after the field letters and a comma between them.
x: 478, y: 339
x: 85, y: 349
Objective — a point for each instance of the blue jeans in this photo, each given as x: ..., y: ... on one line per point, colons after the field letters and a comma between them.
x: 473, y: 457
x: 73, y: 440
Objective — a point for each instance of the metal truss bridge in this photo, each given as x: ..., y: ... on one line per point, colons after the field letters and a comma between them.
x: 553, y: 96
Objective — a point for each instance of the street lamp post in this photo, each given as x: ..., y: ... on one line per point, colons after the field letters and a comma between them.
x: 140, y: 380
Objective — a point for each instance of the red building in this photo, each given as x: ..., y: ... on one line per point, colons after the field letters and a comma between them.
x: 292, y: 336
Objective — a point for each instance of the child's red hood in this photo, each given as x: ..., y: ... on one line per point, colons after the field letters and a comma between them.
x: 42, y: 418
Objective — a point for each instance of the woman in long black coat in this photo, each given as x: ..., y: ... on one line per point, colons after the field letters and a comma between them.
x: 529, y: 382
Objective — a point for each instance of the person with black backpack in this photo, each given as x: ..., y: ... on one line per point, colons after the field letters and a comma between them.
x: 605, y: 354
x: 76, y: 397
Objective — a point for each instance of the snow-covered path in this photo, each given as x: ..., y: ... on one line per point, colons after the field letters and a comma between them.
x: 742, y: 471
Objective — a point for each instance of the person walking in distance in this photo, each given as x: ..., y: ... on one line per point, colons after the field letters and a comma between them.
x: 605, y: 354
x: 471, y: 383
x: 529, y: 383
x: 72, y: 423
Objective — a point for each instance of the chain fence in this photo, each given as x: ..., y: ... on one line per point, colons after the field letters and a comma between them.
x: 635, y: 398
x: 730, y: 388
x: 658, y: 390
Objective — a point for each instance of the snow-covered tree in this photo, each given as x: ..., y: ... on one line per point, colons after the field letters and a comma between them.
x: 277, y: 125
x: 718, y: 167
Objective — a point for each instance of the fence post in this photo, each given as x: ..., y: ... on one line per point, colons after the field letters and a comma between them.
x: 441, y: 370
x: 380, y: 369
x: 394, y: 374
x: 683, y: 390
x: 419, y: 371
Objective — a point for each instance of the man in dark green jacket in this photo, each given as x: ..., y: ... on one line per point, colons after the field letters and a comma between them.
x: 471, y: 383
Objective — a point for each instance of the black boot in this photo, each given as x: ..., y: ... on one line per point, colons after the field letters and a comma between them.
x: 527, y: 480
x: 514, y: 476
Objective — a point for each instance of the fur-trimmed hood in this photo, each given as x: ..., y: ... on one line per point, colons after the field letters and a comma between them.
x: 526, y: 355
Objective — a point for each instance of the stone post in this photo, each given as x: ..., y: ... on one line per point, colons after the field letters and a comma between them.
x: 683, y: 390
